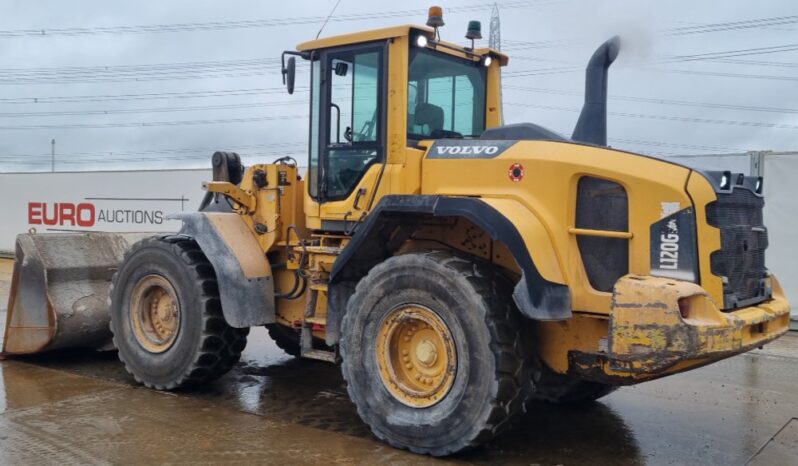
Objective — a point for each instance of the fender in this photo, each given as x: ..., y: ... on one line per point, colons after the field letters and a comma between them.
x: 243, y: 273
x: 536, y: 297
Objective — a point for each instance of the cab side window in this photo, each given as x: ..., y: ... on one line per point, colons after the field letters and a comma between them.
x: 354, y: 119
x: 446, y: 96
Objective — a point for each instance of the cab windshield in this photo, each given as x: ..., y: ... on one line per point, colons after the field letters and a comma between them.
x: 446, y: 96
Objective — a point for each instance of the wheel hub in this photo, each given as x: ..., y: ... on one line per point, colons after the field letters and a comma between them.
x: 416, y: 355
x: 426, y: 353
x: 154, y: 313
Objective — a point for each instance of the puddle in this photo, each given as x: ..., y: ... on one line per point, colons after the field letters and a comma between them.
x: 297, y: 411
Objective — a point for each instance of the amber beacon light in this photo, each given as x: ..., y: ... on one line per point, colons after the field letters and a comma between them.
x: 435, y: 17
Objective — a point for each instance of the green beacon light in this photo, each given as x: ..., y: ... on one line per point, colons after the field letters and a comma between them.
x: 474, y: 32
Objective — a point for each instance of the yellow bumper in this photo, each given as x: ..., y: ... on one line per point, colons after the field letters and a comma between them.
x: 649, y: 336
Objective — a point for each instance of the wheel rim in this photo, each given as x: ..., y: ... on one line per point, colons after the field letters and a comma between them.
x: 416, y: 355
x: 155, y: 313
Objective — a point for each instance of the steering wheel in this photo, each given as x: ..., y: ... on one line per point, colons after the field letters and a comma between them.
x: 347, y: 170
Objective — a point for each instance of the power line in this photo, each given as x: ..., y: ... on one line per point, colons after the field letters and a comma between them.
x: 706, y: 56
x: 139, y: 68
x: 731, y: 25
x: 150, y: 160
x: 148, y: 110
x: 542, y: 71
x: 259, y: 66
x: 143, y: 78
x: 285, y: 117
x: 573, y: 69
x: 250, y: 24
x: 755, y: 62
x: 721, y: 74
x: 147, y: 96
x: 149, y: 124
x: 730, y: 53
x: 757, y: 124
x: 151, y: 72
x: 650, y: 100
x: 235, y: 146
x: 704, y: 28
x: 277, y: 22
x: 513, y: 45
x: 166, y: 151
x: 670, y: 145
x: 675, y: 145
x: 156, y: 155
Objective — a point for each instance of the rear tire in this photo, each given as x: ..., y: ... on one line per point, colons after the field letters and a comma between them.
x: 166, y: 316
x: 491, y: 361
x: 551, y: 387
x: 288, y: 339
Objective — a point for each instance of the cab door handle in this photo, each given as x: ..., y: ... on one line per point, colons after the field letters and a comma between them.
x: 360, y: 193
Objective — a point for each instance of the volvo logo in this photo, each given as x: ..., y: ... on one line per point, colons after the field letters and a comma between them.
x: 467, y: 150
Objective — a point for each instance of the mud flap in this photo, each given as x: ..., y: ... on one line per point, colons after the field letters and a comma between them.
x: 242, y: 270
x: 59, y: 290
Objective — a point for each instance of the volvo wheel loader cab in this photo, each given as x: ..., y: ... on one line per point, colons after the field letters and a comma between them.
x: 455, y: 267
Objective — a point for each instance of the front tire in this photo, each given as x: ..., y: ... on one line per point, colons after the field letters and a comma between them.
x: 433, y: 352
x: 166, y: 316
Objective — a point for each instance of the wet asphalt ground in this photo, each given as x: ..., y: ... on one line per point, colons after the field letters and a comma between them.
x: 81, y: 407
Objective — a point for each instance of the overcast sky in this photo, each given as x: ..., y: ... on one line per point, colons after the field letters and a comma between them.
x: 203, y: 75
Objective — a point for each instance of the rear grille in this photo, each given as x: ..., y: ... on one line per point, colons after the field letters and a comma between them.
x: 602, y: 205
x: 743, y: 237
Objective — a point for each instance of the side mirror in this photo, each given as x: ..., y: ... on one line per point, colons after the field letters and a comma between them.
x: 289, y: 69
x: 289, y: 75
x: 341, y: 68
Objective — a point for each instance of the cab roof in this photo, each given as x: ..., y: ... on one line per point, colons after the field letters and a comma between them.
x: 387, y: 33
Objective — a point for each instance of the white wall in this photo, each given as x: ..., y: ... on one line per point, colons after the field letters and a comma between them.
x: 134, y: 201
x: 735, y: 163
x: 781, y: 217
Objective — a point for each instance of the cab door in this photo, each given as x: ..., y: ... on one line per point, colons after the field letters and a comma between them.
x: 347, y: 134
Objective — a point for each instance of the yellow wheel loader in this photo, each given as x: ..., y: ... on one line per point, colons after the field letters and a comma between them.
x: 454, y: 266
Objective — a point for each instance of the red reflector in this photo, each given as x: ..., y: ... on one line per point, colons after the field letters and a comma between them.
x: 684, y: 308
x: 318, y: 326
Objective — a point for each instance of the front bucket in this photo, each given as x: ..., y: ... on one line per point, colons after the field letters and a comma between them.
x: 59, y: 291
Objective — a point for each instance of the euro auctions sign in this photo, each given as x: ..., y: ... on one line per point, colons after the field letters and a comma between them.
x: 86, y: 214
x: 123, y: 201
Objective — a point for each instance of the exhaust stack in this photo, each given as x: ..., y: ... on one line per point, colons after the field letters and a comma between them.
x: 592, y: 124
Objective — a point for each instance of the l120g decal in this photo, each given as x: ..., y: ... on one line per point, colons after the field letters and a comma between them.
x: 673, y: 246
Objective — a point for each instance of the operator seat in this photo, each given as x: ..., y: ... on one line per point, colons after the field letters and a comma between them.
x: 430, y: 115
